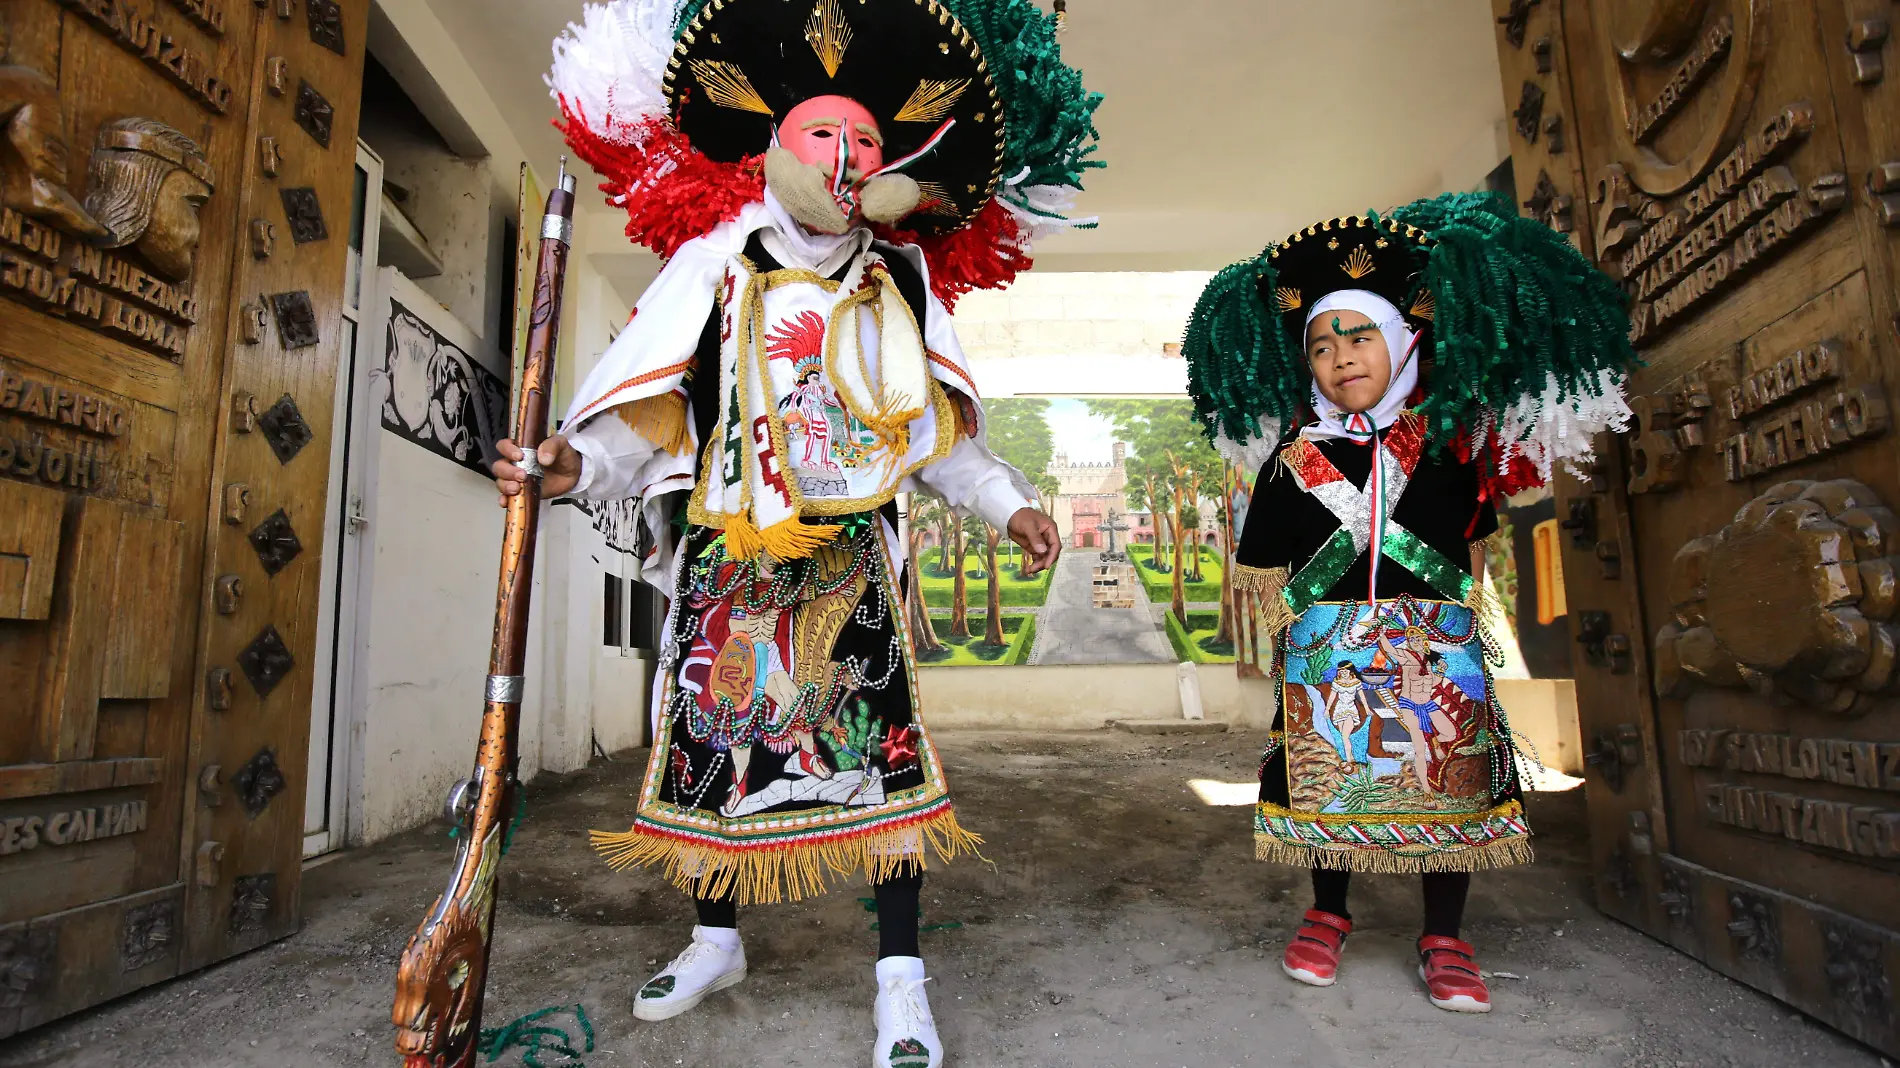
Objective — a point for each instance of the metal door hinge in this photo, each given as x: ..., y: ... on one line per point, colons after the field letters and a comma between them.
x: 1612, y: 754
x: 1602, y: 648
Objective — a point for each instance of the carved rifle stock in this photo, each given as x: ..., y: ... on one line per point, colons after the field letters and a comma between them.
x: 439, y: 985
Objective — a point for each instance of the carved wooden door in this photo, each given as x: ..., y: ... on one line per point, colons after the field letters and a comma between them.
x: 1736, y: 163
x: 174, y: 180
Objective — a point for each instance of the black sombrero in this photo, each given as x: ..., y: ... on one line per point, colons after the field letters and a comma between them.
x: 1351, y: 252
x: 740, y: 65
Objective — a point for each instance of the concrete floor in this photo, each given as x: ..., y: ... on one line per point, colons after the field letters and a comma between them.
x: 1123, y: 924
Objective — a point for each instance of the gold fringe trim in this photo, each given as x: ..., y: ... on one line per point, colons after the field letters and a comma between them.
x: 1260, y: 579
x: 660, y: 419
x: 1266, y: 584
x: 761, y: 875
x: 1483, y: 602
x: 1502, y: 853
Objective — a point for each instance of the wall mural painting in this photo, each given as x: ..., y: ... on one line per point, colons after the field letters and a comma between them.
x: 440, y: 397
x: 1143, y: 504
x: 618, y: 522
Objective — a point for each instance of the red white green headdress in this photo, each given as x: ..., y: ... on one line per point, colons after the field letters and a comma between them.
x: 674, y: 102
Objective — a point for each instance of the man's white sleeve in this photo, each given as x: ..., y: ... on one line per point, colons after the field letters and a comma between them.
x: 971, y: 479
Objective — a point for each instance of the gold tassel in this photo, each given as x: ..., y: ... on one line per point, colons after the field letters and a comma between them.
x: 790, y: 539
x: 742, y: 538
x: 768, y: 874
x: 891, y: 422
x: 660, y: 419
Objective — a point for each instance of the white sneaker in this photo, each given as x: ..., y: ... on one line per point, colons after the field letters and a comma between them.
x: 906, y: 1032
x: 704, y: 967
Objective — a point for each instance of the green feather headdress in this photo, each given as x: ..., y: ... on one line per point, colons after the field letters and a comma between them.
x: 1529, y: 343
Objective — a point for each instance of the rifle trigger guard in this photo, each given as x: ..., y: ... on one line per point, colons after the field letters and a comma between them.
x: 461, y: 803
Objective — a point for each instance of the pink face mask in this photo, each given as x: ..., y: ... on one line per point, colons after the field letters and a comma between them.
x: 840, y: 137
x: 819, y: 130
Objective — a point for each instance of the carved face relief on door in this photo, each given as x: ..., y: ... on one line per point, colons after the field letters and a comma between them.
x: 1803, y: 606
x: 147, y: 183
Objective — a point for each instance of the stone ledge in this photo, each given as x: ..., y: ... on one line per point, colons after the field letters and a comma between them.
x: 1169, y: 726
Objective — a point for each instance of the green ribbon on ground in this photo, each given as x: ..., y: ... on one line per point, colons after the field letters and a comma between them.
x: 536, y: 1039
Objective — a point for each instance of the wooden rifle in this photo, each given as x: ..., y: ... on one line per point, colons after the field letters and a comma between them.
x: 444, y: 970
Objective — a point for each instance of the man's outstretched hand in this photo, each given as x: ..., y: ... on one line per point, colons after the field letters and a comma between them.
x: 1038, y: 536
x: 560, y: 466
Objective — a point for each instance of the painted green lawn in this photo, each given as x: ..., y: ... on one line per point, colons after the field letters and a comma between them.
x: 1160, y: 586
x: 971, y: 652
x: 1017, y: 592
x: 1196, y: 641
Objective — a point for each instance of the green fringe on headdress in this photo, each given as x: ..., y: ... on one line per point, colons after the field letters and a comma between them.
x: 1241, y: 364
x: 1049, y: 116
x: 1051, y: 128
x: 1516, y: 305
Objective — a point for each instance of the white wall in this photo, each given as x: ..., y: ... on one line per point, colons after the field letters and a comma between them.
x: 426, y: 613
x: 595, y: 692
x: 425, y: 602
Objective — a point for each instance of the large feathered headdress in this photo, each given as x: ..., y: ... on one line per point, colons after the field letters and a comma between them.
x: 674, y: 103
x: 1527, y: 344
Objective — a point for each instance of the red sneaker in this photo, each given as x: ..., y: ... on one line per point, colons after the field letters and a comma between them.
x: 1451, y: 975
x: 1313, y: 955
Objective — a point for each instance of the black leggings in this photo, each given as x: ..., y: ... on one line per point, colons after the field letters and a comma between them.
x: 897, y: 905
x: 1445, y: 893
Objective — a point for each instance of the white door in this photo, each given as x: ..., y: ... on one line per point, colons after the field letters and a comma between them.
x: 325, y: 795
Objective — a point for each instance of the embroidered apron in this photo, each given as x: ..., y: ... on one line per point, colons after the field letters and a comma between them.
x: 1391, y: 754
x: 789, y: 748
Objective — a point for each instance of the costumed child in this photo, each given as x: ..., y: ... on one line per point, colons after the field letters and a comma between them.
x: 1391, y: 379
x: 823, y: 180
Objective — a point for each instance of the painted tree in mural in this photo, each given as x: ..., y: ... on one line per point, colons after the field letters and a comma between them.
x: 1186, y: 517
x: 923, y: 514
x: 1018, y: 431
x: 1147, y: 491
x: 1224, y: 513
x: 993, y: 628
x: 1173, y: 462
x: 960, y: 587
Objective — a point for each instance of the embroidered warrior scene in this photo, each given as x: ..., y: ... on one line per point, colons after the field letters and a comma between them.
x: 1401, y: 705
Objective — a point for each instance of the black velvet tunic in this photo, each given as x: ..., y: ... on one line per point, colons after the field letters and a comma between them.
x: 1286, y: 526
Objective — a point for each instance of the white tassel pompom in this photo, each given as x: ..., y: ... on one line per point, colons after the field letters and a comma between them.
x: 1252, y: 454
x: 1041, y: 210
x: 609, y: 67
x: 1549, y: 430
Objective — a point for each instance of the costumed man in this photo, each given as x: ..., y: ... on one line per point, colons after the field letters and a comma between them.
x: 1391, y: 379
x: 823, y: 179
